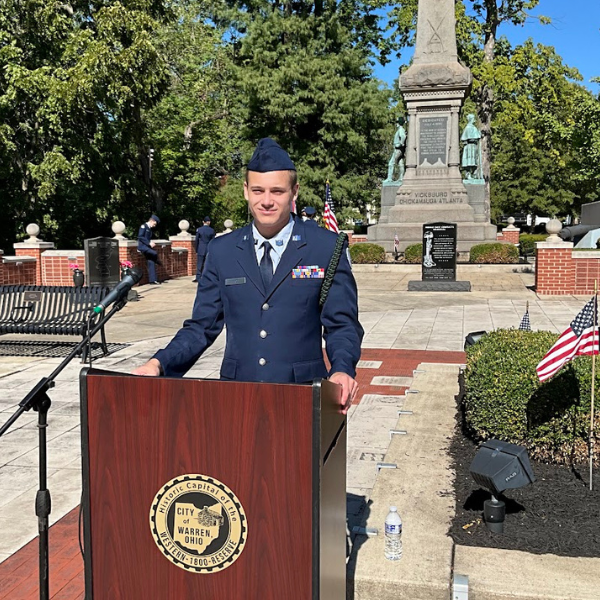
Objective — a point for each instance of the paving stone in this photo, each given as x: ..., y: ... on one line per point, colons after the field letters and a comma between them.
x: 397, y: 381
x: 369, y: 364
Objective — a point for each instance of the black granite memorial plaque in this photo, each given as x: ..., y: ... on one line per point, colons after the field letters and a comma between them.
x: 438, y: 271
x: 102, y: 265
x: 433, y: 144
x: 439, y: 252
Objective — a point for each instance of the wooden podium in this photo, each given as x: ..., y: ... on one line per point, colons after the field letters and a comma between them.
x: 204, y: 489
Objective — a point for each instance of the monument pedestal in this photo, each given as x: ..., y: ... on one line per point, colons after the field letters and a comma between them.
x: 434, y: 88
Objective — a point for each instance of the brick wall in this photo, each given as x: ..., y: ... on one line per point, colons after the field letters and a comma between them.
x: 179, y: 262
x: 509, y: 235
x: 35, y: 250
x: 1, y: 267
x: 55, y: 266
x: 20, y: 270
x: 587, y: 271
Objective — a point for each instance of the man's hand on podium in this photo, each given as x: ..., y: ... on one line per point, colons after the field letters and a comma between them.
x: 151, y: 369
x: 349, y: 389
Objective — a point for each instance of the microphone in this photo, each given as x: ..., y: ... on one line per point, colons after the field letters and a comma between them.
x: 120, y: 290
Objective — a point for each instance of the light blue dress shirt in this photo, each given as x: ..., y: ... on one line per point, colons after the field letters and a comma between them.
x: 278, y: 243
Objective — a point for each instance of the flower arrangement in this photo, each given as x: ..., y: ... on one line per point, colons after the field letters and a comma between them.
x: 74, y: 266
x: 126, y: 264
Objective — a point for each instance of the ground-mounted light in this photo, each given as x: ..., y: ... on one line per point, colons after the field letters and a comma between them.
x: 500, y: 466
x: 473, y: 338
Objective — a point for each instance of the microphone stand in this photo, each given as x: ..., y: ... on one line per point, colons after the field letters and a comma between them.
x: 38, y: 400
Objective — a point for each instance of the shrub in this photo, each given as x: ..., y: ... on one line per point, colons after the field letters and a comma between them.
x: 494, y: 253
x: 505, y: 400
x: 414, y: 253
x: 364, y: 253
x: 527, y: 242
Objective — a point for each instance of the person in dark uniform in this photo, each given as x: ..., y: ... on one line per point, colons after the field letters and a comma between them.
x: 146, y: 247
x: 309, y: 215
x: 203, y: 235
x: 263, y: 281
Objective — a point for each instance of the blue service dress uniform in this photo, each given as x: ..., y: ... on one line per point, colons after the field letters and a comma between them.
x: 204, y: 235
x: 144, y: 238
x: 274, y: 334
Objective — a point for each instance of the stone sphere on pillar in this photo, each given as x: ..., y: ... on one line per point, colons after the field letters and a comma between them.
x: 118, y: 228
x: 184, y: 226
x: 553, y: 226
x: 32, y: 231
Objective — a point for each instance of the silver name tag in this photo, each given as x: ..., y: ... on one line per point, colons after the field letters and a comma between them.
x: 235, y: 281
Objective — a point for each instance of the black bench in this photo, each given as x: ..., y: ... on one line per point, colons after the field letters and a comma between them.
x: 49, y: 310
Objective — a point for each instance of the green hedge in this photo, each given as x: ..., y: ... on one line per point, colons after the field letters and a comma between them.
x: 494, y: 253
x: 365, y: 253
x: 527, y: 242
x: 414, y: 253
x: 505, y: 400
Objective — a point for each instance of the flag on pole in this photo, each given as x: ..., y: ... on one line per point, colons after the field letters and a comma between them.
x: 396, y: 245
x: 328, y: 215
x: 525, y: 323
x: 580, y: 338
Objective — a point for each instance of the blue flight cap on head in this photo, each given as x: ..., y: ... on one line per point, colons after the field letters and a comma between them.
x: 270, y: 156
x: 206, y: 219
x: 155, y: 218
x: 309, y: 211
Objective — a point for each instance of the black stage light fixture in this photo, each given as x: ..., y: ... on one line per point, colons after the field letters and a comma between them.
x: 500, y: 466
x: 473, y: 338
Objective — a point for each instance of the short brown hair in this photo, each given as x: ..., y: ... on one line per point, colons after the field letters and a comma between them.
x: 293, y: 178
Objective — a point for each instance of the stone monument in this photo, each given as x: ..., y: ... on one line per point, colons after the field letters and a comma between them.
x: 432, y: 189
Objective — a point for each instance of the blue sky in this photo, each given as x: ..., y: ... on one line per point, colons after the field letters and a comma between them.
x: 574, y: 33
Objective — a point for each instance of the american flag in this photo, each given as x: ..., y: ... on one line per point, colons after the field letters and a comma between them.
x: 525, y: 323
x: 396, y: 242
x: 580, y: 338
x: 328, y: 215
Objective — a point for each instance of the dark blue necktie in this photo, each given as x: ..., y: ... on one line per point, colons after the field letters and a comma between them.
x: 266, y: 265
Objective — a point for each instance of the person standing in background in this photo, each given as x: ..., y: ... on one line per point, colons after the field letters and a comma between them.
x: 146, y: 247
x: 204, y: 235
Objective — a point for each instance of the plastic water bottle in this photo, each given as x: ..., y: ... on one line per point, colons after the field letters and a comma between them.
x: 393, y: 535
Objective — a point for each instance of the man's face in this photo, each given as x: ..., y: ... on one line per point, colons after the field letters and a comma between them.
x: 152, y: 223
x: 269, y: 197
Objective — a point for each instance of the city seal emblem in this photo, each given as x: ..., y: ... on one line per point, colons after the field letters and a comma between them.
x: 198, y: 523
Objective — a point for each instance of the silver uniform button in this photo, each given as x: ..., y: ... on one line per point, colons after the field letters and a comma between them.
x: 262, y: 362
x: 263, y: 334
x: 265, y: 306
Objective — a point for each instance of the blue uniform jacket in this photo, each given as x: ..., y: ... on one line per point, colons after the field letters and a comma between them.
x: 204, y: 234
x: 144, y: 237
x: 273, y: 335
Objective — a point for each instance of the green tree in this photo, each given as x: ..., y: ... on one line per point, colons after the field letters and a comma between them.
x: 303, y: 70
x: 73, y: 80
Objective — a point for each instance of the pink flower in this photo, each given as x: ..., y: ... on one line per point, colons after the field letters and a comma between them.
x: 74, y: 266
x: 127, y: 264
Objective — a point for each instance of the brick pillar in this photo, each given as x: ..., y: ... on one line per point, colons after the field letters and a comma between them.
x: 511, y: 234
x: 33, y: 247
x: 554, y: 268
x: 128, y: 252
x: 1, y: 267
x: 184, y: 239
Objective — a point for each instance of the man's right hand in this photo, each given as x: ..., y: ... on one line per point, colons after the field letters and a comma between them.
x: 150, y: 369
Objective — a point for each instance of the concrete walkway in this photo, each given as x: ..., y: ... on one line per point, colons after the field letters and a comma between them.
x: 392, y: 317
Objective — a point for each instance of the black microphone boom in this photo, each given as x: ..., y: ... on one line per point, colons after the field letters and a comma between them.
x: 120, y: 290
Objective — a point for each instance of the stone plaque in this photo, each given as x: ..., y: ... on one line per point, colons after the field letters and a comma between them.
x: 433, y: 143
x: 102, y: 265
x: 439, y: 252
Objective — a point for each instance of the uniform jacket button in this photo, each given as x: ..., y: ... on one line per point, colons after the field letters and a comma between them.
x: 263, y: 334
x: 262, y: 362
x: 265, y: 306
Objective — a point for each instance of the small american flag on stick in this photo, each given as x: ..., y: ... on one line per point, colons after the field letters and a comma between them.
x: 581, y: 338
x: 525, y: 322
x: 328, y: 215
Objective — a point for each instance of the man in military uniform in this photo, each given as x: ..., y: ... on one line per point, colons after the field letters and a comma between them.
x: 264, y: 282
x: 308, y: 215
x: 146, y: 247
x: 204, y: 235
